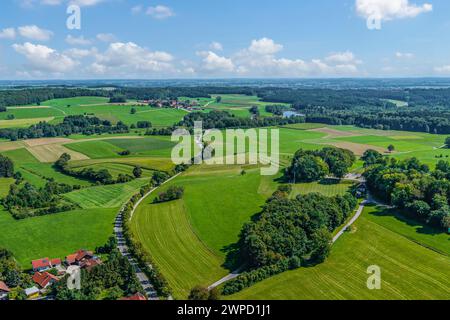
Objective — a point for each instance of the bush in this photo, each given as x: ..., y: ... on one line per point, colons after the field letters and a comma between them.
x: 172, y: 193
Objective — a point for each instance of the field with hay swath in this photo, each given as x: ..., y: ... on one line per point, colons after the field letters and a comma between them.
x: 409, y: 270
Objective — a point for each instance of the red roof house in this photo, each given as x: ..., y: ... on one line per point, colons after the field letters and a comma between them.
x: 44, y: 279
x: 55, y: 262
x: 41, y: 264
x: 84, y: 259
x: 4, y: 288
x: 137, y: 297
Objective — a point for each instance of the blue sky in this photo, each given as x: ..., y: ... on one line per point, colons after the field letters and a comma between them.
x: 218, y: 38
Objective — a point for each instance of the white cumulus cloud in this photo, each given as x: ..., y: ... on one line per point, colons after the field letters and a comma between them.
x: 33, y: 32
x: 43, y: 58
x: 404, y: 55
x: 217, y: 46
x: 390, y: 9
x: 130, y: 58
x: 213, y: 63
x: 106, y: 37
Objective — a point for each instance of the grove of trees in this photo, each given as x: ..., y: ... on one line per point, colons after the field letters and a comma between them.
x: 308, y: 166
x: 412, y: 187
x: 289, y: 233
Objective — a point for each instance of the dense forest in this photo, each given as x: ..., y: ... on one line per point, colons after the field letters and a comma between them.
x: 412, y: 187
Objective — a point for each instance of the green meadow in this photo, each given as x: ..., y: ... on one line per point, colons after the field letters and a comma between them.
x: 55, y: 110
x: 110, y: 196
x: 184, y: 235
x: 239, y: 105
x: 409, y: 270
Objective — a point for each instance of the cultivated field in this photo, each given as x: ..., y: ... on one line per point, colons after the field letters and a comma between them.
x: 408, y: 269
x: 166, y: 234
x: 111, y: 196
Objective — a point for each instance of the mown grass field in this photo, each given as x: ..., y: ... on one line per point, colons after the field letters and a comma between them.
x: 110, y: 196
x: 148, y: 146
x: 408, y: 270
x: 55, y: 235
x: 115, y: 169
x: 23, y: 123
x: 152, y: 164
x: 413, y: 230
x: 327, y: 188
x: 110, y: 148
x: 95, y: 149
x: 166, y: 234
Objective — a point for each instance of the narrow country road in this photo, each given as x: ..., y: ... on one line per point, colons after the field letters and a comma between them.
x: 124, y: 250
x: 352, y: 220
x: 229, y: 277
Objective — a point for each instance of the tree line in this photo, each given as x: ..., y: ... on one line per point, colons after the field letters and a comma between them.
x: 102, y: 176
x: 223, y: 119
x: 29, y: 201
x: 78, y: 124
x: 411, y: 186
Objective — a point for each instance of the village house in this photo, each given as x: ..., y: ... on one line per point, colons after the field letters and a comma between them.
x: 45, y: 264
x: 137, y: 297
x: 84, y: 259
x: 4, y: 290
x: 44, y: 279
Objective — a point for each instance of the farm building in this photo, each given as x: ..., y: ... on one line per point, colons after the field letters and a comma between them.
x: 137, y: 297
x: 32, y: 293
x: 83, y: 259
x: 45, y: 264
x: 44, y: 279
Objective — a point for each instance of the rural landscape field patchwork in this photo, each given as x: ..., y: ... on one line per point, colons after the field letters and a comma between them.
x: 107, y: 188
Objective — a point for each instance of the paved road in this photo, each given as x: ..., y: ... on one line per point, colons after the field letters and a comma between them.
x: 124, y: 250
x: 229, y: 277
x: 149, y: 193
x: 352, y: 220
